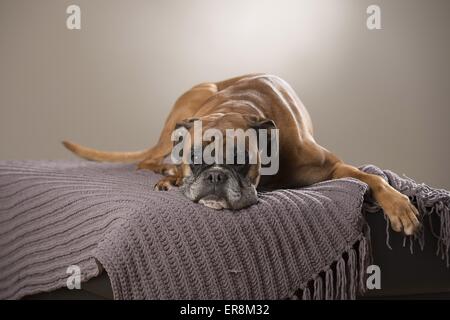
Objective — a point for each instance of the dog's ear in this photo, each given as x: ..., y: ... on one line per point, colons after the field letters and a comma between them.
x: 258, y: 123
x: 186, y: 123
x: 181, y: 128
x: 264, y: 124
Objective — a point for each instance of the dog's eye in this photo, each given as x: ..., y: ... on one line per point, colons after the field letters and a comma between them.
x: 241, y: 167
x: 196, y: 162
x: 196, y: 157
x: 236, y: 159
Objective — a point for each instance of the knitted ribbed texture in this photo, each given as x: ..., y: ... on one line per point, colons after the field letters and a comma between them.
x: 159, y: 245
x: 309, y: 243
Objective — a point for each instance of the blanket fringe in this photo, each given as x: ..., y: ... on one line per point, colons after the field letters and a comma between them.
x: 306, y: 294
x: 344, y: 278
x: 431, y: 203
x: 329, y: 286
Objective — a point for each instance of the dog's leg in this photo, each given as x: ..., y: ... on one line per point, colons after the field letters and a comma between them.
x: 168, y: 182
x: 397, y: 207
x: 173, y: 174
x: 157, y: 166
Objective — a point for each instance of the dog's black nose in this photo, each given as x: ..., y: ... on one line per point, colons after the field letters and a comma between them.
x: 216, y: 177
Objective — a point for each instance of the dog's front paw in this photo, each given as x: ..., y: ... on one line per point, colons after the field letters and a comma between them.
x: 163, y: 185
x: 402, y: 214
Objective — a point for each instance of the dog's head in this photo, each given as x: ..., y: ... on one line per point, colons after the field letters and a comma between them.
x: 230, y: 179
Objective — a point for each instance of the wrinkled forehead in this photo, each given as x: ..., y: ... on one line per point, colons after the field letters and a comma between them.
x: 222, y: 147
x: 226, y: 139
x: 222, y: 135
x: 223, y: 121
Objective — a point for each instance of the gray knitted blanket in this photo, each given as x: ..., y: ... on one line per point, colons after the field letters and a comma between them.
x: 304, y: 243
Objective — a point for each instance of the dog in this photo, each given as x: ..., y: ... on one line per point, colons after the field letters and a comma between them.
x: 255, y: 101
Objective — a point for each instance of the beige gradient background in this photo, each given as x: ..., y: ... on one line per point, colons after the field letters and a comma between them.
x: 379, y: 97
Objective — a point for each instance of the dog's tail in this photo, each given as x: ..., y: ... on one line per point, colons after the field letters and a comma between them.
x: 102, y: 156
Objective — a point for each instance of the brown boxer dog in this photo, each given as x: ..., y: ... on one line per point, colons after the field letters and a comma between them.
x: 257, y: 101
